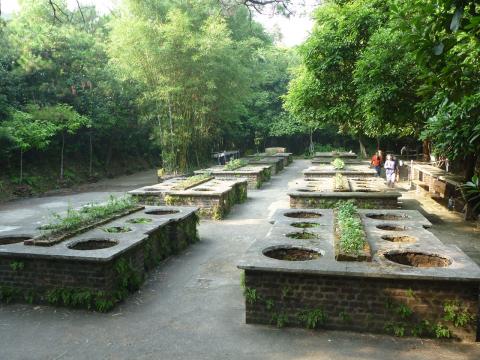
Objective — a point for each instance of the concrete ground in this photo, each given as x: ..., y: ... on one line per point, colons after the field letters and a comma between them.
x: 192, y: 307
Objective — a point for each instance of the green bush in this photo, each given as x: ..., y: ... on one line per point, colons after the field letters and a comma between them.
x: 235, y: 164
x: 352, y: 236
x: 338, y: 164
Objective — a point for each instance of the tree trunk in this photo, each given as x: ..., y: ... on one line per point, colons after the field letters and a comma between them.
x: 426, y: 150
x: 90, y: 164
x: 61, y: 156
x: 174, y: 154
x: 363, y: 151
x: 378, y: 143
x: 21, y: 166
x: 312, y: 148
x: 469, y: 166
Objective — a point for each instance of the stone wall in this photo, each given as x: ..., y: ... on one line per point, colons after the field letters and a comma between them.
x: 318, y: 202
x: 395, y: 306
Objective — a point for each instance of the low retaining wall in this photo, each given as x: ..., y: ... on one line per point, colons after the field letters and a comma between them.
x: 328, y: 200
x: 71, y: 274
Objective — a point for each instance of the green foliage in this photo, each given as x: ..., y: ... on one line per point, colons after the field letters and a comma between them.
x: 251, y: 295
x: 235, y: 164
x: 7, y: 293
x: 471, y: 192
x: 139, y: 220
x: 340, y: 183
x: 345, y: 316
x: 403, y: 311
x: 17, y: 265
x: 441, y: 331
x: 82, y: 298
x: 242, y: 281
x: 313, y: 318
x: 352, y: 235
x: 457, y: 314
x: 280, y: 319
x: 323, y: 91
x: 396, y: 328
x: 269, y: 304
x: 117, y: 229
x: 410, y: 293
x: 128, y: 278
x: 286, y: 291
x: 197, y: 67
x: 192, y: 181
x: 89, y: 214
x: 338, y: 164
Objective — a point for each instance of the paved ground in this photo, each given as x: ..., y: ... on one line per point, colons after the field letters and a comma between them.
x: 192, y: 307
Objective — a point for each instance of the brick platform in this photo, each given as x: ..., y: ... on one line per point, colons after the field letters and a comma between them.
x: 381, y: 296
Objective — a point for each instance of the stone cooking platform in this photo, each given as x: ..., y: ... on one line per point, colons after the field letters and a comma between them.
x: 371, y: 193
x: 335, y: 154
x: 275, y: 162
x: 405, y: 290
x: 214, y: 198
x: 98, y: 268
x: 351, y: 170
x: 286, y: 157
x: 256, y: 175
x: 328, y: 160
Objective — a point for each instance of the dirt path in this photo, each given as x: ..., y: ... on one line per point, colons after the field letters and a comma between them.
x: 192, y: 307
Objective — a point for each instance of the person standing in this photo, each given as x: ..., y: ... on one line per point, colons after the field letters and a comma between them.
x: 390, y: 171
x: 377, y: 162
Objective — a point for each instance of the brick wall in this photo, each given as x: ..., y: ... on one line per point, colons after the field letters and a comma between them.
x: 360, y: 304
x: 303, y: 202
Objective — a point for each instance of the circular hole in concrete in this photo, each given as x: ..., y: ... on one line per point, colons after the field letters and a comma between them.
x: 139, y: 220
x: 417, y: 259
x: 292, y: 254
x: 93, y: 244
x: 387, y: 216
x: 13, y: 239
x: 202, y: 189
x: 399, y: 238
x: 305, y: 225
x: 390, y: 227
x: 302, y: 235
x: 117, y: 229
x: 302, y: 214
x: 162, y: 212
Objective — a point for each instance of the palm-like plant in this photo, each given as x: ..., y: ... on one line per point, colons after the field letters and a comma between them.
x: 471, y: 191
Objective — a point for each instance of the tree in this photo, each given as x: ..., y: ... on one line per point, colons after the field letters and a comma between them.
x: 386, y: 78
x: 444, y: 35
x: 28, y: 133
x: 325, y: 91
x: 196, y: 73
x: 63, y: 119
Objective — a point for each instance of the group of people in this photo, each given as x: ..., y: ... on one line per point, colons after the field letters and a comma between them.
x: 391, y: 166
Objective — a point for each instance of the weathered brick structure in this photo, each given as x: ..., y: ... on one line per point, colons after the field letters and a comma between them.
x: 95, y: 269
x: 214, y: 198
x: 414, y: 285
